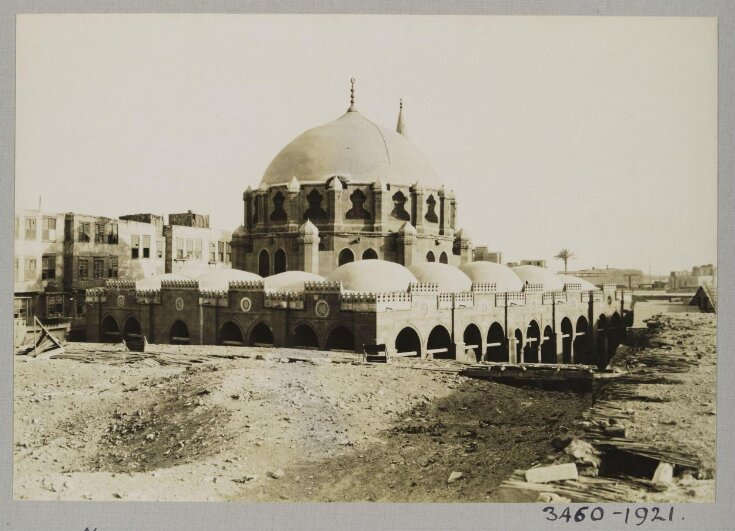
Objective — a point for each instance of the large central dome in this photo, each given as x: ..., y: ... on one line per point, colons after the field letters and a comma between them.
x: 355, y: 148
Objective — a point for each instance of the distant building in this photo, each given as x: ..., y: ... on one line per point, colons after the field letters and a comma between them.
x: 483, y: 254
x: 691, y: 280
x: 536, y: 262
x: 624, y: 278
x: 193, y: 247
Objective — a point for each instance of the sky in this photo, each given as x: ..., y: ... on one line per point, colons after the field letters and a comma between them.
x: 594, y: 134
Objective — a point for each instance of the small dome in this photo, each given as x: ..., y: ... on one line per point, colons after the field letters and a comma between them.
x: 308, y: 228
x: 372, y: 276
x: 448, y: 277
x: 539, y: 275
x: 290, y: 280
x: 354, y: 147
x: 154, y: 281
x: 220, y: 278
x: 240, y: 232
x: 503, y: 277
x: 570, y: 279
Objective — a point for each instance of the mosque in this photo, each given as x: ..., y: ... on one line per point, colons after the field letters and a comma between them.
x: 350, y: 240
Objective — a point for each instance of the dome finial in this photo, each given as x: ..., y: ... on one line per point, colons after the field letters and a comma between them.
x: 400, y: 126
x: 352, y: 96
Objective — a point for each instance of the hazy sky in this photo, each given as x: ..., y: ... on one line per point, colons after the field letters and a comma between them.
x: 595, y: 134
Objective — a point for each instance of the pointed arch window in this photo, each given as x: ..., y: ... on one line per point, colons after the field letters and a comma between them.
x: 399, y: 207
x: 315, y: 212
x: 278, y: 214
x: 430, y: 209
x: 358, y: 210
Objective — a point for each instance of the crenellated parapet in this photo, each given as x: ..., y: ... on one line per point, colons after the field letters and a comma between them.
x: 284, y: 299
x: 533, y: 287
x: 95, y: 295
x: 484, y: 287
x: 573, y: 286
x: 120, y: 283
x: 247, y: 285
x: 553, y: 297
x: 464, y: 299
x: 213, y: 297
x: 325, y: 286
x: 423, y: 288
x: 179, y: 284
x: 148, y: 296
x: 515, y: 298
x: 597, y: 295
x: 609, y: 286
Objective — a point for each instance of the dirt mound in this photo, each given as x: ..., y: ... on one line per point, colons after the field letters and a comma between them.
x: 170, y: 426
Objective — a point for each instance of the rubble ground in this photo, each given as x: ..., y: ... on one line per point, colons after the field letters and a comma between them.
x: 268, y: 430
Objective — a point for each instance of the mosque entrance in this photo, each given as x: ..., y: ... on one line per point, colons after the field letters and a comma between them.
x: 408, y: 342
x: 230, y: 334
x: 473, y: 339
x: 304, y: 336
x: 548, y: 346
x: 497, y: 349
x: 179, y: 333
x: 261, y: 335
x: 341, y: 338
x: 566, y: 340
x: 533, y: 337
x: 439, y: 345
x: 109, y: 331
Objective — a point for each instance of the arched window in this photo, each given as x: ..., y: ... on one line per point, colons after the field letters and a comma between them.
x: 533, y: 337
x: 358, y: 210
x: 443, y: 258
x: 472, y: 338
x: 497, y: 348
x: 369, y: 254
x: 582, y: 340
x: 278, y: 214
x: 315, y: 212
x: 345, y: 257
x: 264, y: 263
x: 430, y: 257
x: 430, y: 209
x: 399, y: 207
x: 548, y: 346
x: 279, y: 262
x: 132, y: 334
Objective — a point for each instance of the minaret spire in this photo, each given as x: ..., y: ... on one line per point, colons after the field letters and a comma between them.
x: 400, y: 126
x: 352, y: 96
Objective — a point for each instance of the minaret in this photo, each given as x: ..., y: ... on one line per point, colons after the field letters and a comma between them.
x: 400, y: 126
x: 352, y: 96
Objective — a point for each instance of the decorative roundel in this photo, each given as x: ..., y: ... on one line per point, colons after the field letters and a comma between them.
x: 424, y: 309
x: 121, y: 300
x: 179, y: 303
x: 245, y: 304
x: 322, y: 308
x: 574, y: 304
x: 609, y: 299
x: 484, y: 306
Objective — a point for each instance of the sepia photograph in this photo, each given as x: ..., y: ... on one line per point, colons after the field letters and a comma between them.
x: 366, y: 258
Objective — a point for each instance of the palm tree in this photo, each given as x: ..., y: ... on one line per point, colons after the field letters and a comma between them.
x: 565, y: 255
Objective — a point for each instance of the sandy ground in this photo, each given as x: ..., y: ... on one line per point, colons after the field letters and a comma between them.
x: 321, y: 430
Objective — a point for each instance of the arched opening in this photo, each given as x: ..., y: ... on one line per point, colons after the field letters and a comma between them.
x: 548, y: 346
x: 341, y: 338
x: 473, y: 339
x: 533, y: 338
x: 179, y: 333
x: 304, y: 336
x: 109, y: 331
x: 264, y: 263
x: 443, y: 258
x: 497, y: 349
x: 440, y: 344
x: 279, y: 262
x: 602, y: 342
x: 345, y: 257
x: 261, y: 335
x: 230, y: 334
x: 617, y: 334
x: 566, y: 340
x: 369, y: 254
x: 408, y: 341
x: 430, y: 257
x: 581, y: 341
x: 132, y: 335
x: 518, y: 335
